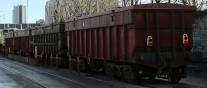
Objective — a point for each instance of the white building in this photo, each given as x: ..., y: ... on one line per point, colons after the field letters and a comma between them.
x: 19, y: 14
x: 49, y: 11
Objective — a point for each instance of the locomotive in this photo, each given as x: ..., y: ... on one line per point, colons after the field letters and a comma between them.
x: 148, y: 40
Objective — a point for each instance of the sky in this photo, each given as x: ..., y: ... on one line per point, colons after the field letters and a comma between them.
x: 36, y: 9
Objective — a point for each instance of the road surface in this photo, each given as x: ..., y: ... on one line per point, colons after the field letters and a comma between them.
x: 18, y: 75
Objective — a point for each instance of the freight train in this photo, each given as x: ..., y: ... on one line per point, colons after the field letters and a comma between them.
x: 149, y: 40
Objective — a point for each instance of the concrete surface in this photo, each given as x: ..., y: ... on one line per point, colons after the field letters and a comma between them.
x: 18, y: 75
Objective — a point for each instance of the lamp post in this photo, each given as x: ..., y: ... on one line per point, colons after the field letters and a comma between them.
x: 27, y: 17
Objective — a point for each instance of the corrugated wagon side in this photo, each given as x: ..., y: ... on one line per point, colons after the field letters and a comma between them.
x: 17, y: 42
x: 100, y: 37
x: 8, y: 43
x: 22, y: 42
x: 50, y: 45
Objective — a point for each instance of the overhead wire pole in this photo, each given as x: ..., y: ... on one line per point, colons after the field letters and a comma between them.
x: 27, y: 14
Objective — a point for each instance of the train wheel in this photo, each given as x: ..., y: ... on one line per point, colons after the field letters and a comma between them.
x: 41, y: 59
x: 129, y: 74
x: 108, y: 70
x: 82, y: 65
x: 152, y: 77
x: 119, y: 72
x: 51, y: 59
x: 152, y: 73
x: 174, y: 76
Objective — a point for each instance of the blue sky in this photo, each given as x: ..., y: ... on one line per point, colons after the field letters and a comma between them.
x: 36, y: 9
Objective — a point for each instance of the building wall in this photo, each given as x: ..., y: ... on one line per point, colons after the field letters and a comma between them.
x: 40, y: 21
x: 200, y: 36
x: 16, y: 14
x: 19, y: 14
x: 24, y: 15
x: 49, y: 9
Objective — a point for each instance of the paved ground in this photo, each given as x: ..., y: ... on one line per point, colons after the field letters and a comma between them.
x: 17, y: 75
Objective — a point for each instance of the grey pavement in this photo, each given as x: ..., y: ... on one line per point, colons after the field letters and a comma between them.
x: 18, y: 75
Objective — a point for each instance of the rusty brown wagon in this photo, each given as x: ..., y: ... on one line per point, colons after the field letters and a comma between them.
x: 133, y: 42
x: 148, y: 40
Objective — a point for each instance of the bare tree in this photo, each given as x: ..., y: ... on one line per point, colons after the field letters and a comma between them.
x: 65, y: 9
x: 200, y: 4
